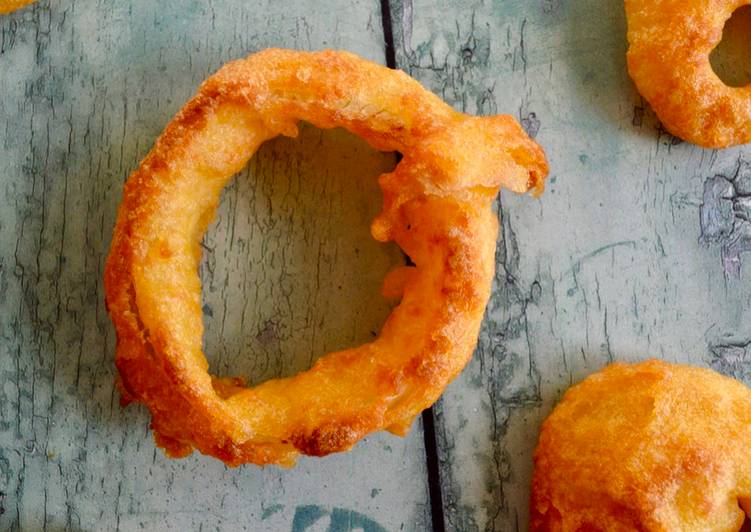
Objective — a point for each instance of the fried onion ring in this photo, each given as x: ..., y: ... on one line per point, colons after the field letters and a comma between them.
x: 436, y: 207
x: 668, y: 59
x: 8, y: 6
x: 650, y: 446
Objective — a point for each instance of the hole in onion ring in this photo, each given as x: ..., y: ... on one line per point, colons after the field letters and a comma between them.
x: 290, y: 271
x: 731, y: 59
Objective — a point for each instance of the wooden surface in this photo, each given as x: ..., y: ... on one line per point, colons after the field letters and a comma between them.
x: 612, y: 263
x: 289, y: 271
x: 637, y: 249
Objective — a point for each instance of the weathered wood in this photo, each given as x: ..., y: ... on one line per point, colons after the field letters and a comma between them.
x: 614, y: 262
x: 290, y: 271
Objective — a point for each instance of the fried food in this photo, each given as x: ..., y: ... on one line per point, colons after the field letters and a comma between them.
x: 437, y: 207
x: 668, y: 59
x: 6, y: 6
x: 650, y: 446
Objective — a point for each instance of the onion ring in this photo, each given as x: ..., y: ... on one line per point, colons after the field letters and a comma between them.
x: 651, y: 446
x: 668, y: 59
x: 8, y: 6
x: 436, y: 207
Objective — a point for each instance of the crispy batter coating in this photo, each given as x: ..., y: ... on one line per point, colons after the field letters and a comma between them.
x: 650, y: 446
x: 436, y: 207
x: 6, y: 6
x: 668, y: 59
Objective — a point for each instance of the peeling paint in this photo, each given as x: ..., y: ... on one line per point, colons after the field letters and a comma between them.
x: 725, y: 216
x: 531, y: 124
x: 732, y: 359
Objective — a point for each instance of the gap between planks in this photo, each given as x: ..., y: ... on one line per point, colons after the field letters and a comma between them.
x: 428, y: 416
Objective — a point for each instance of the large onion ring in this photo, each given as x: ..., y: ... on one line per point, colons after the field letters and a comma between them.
x: 668, y: 59
x: 436, y: 207
x: 651, y: 446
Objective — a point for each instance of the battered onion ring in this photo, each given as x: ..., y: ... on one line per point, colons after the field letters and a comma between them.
x: 668, y: 59
x: 7, y: 6
x: 436, y: 207
x: 650, y: 446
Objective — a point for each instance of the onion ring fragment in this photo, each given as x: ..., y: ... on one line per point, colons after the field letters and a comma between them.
x: 668, y: 58
x: 650, y: 446
x: 8, y: 6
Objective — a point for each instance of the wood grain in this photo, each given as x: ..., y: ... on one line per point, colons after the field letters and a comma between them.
x: 289, y: 271
x: 621, y: 259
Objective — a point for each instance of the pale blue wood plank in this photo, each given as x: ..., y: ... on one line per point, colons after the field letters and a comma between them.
x: 85, y: 88
x: 609, y: 264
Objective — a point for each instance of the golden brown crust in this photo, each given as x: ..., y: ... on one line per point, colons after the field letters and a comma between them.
x: 668, y: 59
x: 436, y: 207
x: 651, y: 446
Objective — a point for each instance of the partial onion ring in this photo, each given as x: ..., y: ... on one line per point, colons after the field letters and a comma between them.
x: 7, y: 6
x: 437, y: 207
x: 650, y: 446
x: 668, y: 59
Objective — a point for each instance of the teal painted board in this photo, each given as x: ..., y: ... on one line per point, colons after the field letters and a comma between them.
x: 635, y: 250
x: 289, y: 271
